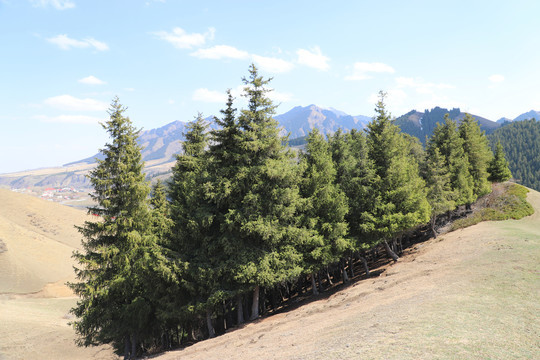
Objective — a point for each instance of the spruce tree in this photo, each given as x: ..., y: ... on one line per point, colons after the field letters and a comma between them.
x: 326, y: 207
x: 120, y: 259
x: 265, y: 215
x: 439, y: 190
x: 498, y: 167
x: 475, y: 145
x: 401, y: 192
x: 446, y: 138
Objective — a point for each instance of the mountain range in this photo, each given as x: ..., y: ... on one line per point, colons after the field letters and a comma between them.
x: 159, y: 145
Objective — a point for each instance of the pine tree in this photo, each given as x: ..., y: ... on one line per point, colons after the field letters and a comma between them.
x: 498, y: 167
x: 401, y: 193
x: 162, y: 223
x: 120, y: 259
x: 326, y: 208
x: 475, y: 145
x: 446, y: 138
x: 265, y: 215
x: 439, y: 191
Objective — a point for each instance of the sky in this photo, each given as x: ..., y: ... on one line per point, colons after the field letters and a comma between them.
x: 63, y: 61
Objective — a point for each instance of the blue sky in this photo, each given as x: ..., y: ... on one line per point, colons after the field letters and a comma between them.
x: 62, y: 61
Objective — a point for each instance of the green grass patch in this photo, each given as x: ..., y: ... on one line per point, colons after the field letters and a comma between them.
x: 506, y: 201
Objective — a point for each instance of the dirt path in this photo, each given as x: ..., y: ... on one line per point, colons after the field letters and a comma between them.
x: 473, y: 293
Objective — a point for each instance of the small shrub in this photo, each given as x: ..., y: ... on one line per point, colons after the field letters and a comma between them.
x: 510, y: 203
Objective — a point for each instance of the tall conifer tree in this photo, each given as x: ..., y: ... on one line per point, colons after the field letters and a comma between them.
x: 120, y: 259
x: 498, y: 167
x: 400, y: 189
x: 475, y: 145
x: 326, y: 208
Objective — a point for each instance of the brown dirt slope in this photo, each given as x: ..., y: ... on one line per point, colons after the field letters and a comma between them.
x: 470, y: 294
x: 38, y: 239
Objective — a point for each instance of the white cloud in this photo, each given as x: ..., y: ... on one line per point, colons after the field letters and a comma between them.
x: 57, y: 4
x: 71, y: 103
x: 129, y: 89
x: 211, y: 96
x: 273, y: 65
x: 220, y: 52
x: 279, y: 97
x: 496, y: 78
x: 70, y: 119
x: 65, y: 43
x: 361, y: 70
x: 420, y: 86
x: 91, y: 80
x: 313, y: 58
x: 182, y: 40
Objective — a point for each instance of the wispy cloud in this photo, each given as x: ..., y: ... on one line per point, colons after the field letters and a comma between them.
x: 65, y: 43
x: 71, y: 103
x: 271, y: 64
x: 210, y: 96
x: 57, y: 4
x: 70, y: 119
x: 420, y: 86
x: 313, y: 58
x: 179, y: 38
x: 496, y: 78
x: 91, y: 80
x: 220, y: 52
x: 362, y: 70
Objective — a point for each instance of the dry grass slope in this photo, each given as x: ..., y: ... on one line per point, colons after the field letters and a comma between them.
x: 38, y: 239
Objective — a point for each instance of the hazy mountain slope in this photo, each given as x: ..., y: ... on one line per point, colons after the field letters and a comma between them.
x: 529, y: 115
x: 470, y: 294
x: 521, y: 143
x: 422, y: 124
x: 299, y: 121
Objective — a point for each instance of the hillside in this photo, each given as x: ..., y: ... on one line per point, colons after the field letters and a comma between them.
x: 470, y: 294
x: 466, y: 294
x: 37, y: 239
x: 521, y: 143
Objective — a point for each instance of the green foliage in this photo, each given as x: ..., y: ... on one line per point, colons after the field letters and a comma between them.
x: 326, y: 206
x: 120, y: 260
x: 439, y: 191
x: 498, y: 167
x: 509, y: 202
x: 478, y: 153
x: 521, y: 144
x: 400, y: 190
x: 450, y: 145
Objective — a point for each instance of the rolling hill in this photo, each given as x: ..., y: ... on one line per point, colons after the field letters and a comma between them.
x: 37, y: 239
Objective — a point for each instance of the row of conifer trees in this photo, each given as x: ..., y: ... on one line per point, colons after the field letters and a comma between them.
x: 244, y: 220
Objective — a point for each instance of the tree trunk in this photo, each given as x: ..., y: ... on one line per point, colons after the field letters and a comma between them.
x: 133, y: 347
x: 328, y: 277
x: 211, y: 331
x: 344, y: 271
x: 351, y: 266
x: 433, y: 220
x: 390, y: 252
x: 314, y: 284
x: 127, y: 345
x: 366, y: 267
x: 319, y: 281
x: 239, y: 310
x: 255, y: 305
